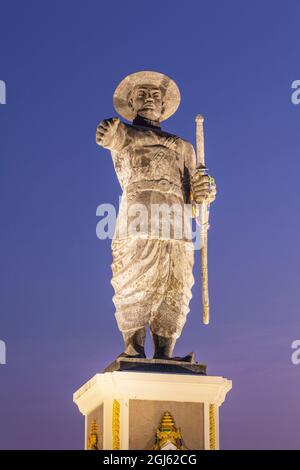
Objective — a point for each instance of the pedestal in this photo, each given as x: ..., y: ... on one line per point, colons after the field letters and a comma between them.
x: 141, y: 410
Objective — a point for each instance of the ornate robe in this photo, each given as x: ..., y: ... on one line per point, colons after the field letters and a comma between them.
x: 153, y: 254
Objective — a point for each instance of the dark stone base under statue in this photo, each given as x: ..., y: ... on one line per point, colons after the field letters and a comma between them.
x: 168, y: 366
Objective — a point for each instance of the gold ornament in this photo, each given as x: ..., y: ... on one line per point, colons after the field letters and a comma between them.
x: 93, y: 437
x: 116, y: 425
x: 212, y: 427
x: 167, y: 435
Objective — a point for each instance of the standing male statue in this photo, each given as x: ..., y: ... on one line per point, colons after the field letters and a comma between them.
x: 152, y: 274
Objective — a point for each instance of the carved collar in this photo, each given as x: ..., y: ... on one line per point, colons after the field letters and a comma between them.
x: 141, y: 121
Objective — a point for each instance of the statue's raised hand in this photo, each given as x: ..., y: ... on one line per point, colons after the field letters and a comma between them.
x: 106, y: 131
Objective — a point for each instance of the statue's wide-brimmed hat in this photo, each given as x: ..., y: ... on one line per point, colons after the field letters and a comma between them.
x: 170, y: 91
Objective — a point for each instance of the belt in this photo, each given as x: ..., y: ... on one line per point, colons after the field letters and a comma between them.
x: 163, y: 186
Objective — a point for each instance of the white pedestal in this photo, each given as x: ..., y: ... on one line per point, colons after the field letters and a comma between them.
x: 126, y: 408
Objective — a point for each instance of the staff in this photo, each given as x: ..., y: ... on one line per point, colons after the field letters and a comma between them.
x: 204, y: 216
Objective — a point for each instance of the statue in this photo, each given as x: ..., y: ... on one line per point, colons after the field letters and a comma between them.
x: 152, y: 274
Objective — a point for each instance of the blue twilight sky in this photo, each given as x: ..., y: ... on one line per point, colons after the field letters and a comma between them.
x: 234, y: 62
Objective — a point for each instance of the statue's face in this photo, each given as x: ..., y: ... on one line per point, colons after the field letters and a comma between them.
x: 147, y: 101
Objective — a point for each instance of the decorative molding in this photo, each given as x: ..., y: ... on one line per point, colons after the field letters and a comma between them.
x: 127, y: 386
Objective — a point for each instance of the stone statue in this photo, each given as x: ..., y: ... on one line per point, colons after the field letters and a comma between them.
x: 152, y: 274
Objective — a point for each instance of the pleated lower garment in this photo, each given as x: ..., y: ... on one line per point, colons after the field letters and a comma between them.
x: 152, y: 279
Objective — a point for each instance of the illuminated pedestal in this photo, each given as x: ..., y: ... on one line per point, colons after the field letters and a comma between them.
x: 123, y: 410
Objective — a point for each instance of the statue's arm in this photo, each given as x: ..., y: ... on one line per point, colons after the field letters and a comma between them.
x: 189, y: 168
x: 113, y: 135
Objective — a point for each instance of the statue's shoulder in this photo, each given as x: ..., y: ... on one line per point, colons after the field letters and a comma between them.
x: 186, y: 143
x: 186, y: 146
x: 182, y: 145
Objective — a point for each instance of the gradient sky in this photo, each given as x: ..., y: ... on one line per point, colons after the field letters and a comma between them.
x: 234, y: 62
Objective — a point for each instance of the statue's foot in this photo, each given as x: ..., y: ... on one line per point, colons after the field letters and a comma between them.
x: 134, y: 344
x: 163, y: 346
x: 132, y: 356
x: 188, y: 358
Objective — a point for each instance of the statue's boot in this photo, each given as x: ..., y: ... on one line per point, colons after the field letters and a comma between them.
x: 134, y: 343
x: 163, y: 349
x: 163, y: 346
